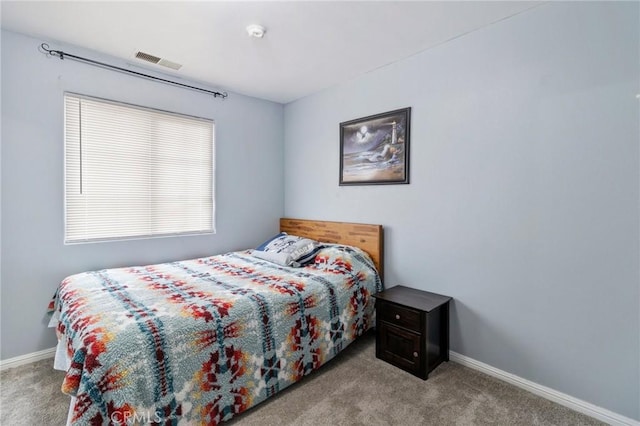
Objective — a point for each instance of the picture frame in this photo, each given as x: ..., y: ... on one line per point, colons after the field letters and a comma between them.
x: 374, y: 150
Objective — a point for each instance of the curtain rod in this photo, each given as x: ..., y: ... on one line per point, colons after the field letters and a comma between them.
x: 62, y: 55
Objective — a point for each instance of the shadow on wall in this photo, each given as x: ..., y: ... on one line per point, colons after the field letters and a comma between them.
x: 477, y: 328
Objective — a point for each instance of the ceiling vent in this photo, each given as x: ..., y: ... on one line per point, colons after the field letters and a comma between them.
x: 158, y: 61
x: 147, y: 57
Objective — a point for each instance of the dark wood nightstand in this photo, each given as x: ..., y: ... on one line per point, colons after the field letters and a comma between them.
x: 412, y: 329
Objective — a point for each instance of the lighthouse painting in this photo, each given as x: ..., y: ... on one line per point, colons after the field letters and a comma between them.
x: 374, y: 150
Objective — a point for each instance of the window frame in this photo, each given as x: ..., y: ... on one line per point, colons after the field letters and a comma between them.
x: 211, y: 121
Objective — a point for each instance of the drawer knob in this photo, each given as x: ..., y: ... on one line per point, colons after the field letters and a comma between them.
x: 415, y: 354
x: 397, y: 316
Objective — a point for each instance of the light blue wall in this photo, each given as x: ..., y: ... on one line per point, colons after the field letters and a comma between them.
x: 249, y: 185
x: 524, y: 194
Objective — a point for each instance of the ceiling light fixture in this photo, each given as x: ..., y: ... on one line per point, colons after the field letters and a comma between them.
x: 256, y: 31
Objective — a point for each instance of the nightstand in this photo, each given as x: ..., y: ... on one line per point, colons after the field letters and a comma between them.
x: 412, y: 329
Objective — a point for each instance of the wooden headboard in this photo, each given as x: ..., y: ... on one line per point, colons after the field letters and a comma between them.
x: 369, y: 238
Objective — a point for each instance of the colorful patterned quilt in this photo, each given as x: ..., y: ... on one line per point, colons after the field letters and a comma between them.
x: 202, y: 340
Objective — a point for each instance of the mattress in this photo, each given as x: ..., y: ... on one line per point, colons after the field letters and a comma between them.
x: 202, y: 340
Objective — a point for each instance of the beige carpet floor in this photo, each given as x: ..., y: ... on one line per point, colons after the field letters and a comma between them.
x: 353, y: 389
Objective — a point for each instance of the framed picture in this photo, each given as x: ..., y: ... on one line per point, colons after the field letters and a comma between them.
x: 374, y: 150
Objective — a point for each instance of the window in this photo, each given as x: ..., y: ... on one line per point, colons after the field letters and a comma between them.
x: 135, y: 172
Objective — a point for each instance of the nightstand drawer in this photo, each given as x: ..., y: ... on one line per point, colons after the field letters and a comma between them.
x: 399, y: 315
x: 399, y: 347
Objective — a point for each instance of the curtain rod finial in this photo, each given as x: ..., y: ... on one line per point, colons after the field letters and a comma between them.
x: 47, y: 50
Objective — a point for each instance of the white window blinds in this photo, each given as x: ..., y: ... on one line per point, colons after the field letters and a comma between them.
x: 135, y: 172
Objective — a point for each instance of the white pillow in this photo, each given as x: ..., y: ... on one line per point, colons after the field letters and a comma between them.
x: 288, y: 250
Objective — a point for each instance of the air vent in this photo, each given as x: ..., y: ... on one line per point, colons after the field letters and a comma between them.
x: 158, y: 61
x: 147, y: 57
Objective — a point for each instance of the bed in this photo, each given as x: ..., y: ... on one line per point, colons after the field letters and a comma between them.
x: 202, y: 340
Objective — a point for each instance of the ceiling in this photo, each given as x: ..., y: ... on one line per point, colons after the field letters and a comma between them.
x: 308, y: 46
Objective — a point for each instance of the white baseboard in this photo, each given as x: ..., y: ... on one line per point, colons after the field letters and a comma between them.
x: 27, y: 359
x: 568, y: 401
